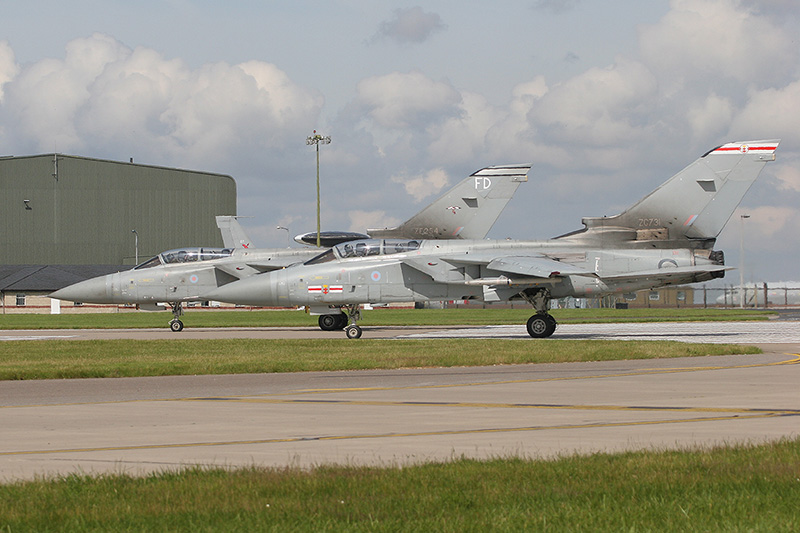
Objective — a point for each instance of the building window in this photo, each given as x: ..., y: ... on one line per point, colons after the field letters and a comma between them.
x: 20, y: 300
x: 681, y: 296
x: 654, y: 296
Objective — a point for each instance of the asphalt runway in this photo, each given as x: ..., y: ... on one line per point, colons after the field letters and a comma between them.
x: 141, y: 425
x: 770, y: 331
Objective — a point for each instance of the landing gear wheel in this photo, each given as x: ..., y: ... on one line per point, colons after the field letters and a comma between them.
x: 176, y: 325
x: 332, y: 322
x: 541, y: 326
x: 353, y: 332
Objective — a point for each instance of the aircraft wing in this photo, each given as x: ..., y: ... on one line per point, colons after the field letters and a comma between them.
x: 243, y: 270
x: 534, y: 268
x: 264, y: 260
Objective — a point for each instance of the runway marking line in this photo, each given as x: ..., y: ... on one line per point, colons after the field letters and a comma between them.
x: 733, y: 414
x: 489, y: 405
x: 379, y: 435
x: 795, y: 360
x: 645, y: 372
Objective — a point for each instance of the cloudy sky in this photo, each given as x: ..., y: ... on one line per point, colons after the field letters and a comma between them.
x: 606, y: 99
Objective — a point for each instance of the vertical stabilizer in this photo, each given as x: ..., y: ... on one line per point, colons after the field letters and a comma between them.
x: 233, y: 235
x: 694, y: 204
x: 467, y: 211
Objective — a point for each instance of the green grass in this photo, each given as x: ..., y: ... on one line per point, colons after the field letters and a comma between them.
x: 378, y: 317
x: 58, y: 359
x: 744, y: 488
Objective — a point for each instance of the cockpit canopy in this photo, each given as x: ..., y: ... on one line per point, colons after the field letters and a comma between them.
x: 185, y: 255
x: 365, y: 248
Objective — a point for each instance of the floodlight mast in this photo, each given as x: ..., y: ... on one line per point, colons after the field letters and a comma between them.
x: 316, y: 140
x: 742, y: 290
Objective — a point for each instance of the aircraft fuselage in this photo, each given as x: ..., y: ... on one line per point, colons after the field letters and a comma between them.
x: 449, y: 270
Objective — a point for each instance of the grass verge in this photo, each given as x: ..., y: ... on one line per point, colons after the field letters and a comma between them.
x: 127, y: 358
x: 377, y: 317
x: 743, y: 488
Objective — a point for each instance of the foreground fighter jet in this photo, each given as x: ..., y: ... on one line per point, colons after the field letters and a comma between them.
x: 664, y: 239
x: 183, y: 275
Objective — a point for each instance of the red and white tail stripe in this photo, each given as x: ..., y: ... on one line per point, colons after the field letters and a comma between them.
x: 759, y: 147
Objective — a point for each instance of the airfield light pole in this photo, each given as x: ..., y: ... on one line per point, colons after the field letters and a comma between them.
x: 288, y: 240
x: 136, y: 246
x: 742, y: 291
x: 316, y: 140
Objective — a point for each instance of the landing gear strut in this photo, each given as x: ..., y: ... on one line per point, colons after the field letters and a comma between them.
x: 177, y: 310
x: 542, y: 324
x: 353, y: 331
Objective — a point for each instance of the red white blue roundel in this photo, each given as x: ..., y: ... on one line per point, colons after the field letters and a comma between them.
x: 193, y: 278
x: 376, y: 276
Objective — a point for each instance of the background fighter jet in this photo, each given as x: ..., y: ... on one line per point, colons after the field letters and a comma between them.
x: 186, y: 275
x: 664, y: 239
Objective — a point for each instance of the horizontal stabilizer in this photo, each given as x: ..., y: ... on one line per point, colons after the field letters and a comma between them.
x: 667, y: 273
x: 328, y: 239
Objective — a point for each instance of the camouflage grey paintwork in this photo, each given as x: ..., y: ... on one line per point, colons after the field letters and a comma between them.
x: 664, y: 239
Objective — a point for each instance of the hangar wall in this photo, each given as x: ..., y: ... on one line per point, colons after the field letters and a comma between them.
x: 59, y: 209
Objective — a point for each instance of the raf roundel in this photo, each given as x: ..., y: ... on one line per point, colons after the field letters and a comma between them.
x: 193, y: 278
x: 376, y: 276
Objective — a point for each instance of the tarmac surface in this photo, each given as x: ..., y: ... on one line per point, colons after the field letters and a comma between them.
x: 391, y: 417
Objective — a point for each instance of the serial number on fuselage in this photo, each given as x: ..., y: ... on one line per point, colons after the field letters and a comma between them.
x: 649, y: 222
x: 427, y: 231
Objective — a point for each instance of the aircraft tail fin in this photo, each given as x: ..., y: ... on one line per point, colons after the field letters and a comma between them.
x: 467, y: 211
x: 693, y: 205
x: 233, y: 235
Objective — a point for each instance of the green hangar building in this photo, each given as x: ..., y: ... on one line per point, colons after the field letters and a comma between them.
x: 65, y: 218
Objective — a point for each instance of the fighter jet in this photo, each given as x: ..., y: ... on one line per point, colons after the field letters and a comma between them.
x: 666, y: 238
x: 175, y: 277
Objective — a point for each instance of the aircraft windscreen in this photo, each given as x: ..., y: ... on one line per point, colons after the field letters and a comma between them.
x: 190, y: 255
x: 324, y: 257
x: 152, y: 262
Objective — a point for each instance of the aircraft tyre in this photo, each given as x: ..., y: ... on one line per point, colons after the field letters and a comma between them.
x: 176, y: 325
x: 541, y: 325
x: 332, y: 322
x: 353, y: 331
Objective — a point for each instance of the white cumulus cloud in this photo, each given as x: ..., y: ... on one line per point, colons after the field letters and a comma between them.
x: 103, y: 95
x: 407, y: 100
x: 424, y: 185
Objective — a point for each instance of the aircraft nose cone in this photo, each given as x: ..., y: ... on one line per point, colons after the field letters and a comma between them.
x: 90, y: 291
x: 257, y: 291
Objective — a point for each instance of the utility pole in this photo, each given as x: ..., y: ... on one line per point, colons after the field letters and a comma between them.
x: 316, y: 140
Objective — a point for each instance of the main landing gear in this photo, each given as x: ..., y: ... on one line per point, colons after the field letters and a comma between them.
x: 177, y: 310
x: 333, y: 322
x: 542, y: 324
x: 345, y: 319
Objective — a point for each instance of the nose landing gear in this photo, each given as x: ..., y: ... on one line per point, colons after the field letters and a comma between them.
x: 353, y: 331
x: 177, y: 310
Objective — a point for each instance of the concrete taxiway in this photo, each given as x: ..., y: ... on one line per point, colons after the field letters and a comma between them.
x: 140, y: 425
